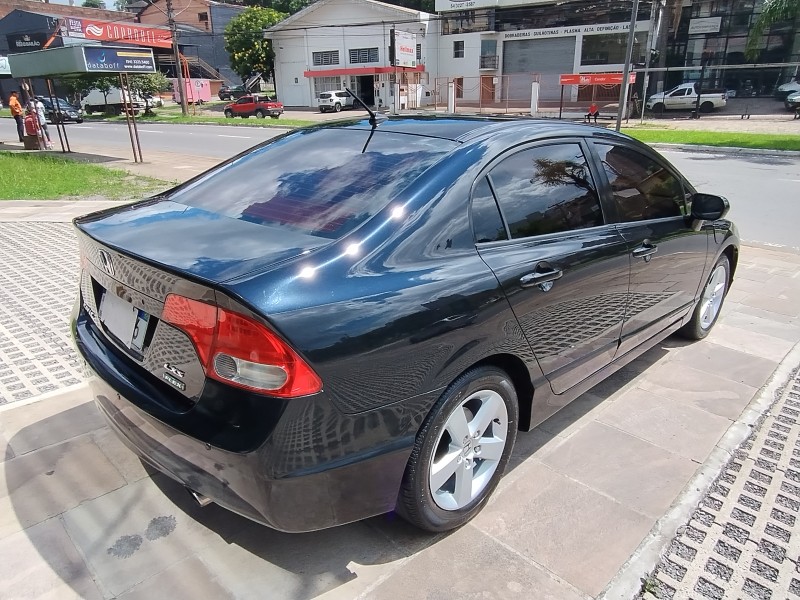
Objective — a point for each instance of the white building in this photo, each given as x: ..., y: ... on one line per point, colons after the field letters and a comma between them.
x: 333, y: 44
x: 491, y: 52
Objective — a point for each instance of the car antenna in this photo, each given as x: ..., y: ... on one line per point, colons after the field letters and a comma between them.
x: 374, y: 119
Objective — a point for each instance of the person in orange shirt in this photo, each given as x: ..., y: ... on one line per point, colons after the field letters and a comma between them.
x: 16, y: 112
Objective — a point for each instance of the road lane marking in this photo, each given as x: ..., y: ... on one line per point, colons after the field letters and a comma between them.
x: 149, y: 131
x: 241, y: 137
x: 189, y: 167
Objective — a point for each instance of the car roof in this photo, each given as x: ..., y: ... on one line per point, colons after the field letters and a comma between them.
x: 464, y: 129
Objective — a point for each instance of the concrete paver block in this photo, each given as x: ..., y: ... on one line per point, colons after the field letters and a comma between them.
x: 713, y: 394
x: 137, y: 531
x: 750, y: 342
x: 41, y: 563
x: 621, y: 466
x: 669, y: 423
x: 765, y: 326
x: 47, y: 482
x: 453, y: 569
x: 188, y: 579
x: 51, y: 421
x: 579, y: 534
x: 726, y: 362
x: 126, y: 462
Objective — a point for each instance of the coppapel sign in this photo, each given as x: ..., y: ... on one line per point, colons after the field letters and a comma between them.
x: 106, y: 31
x: 405, y: 49
x: 100, y: 59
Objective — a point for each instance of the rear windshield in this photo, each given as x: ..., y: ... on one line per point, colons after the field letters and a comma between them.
x: 315, y: 181
x: 325, y: 95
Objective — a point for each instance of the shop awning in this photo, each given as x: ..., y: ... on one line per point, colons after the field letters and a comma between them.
x: 363, y: 71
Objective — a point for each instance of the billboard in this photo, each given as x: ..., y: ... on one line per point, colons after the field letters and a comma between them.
x: 107, y: 31
x: 595, y: 79
x: 101, y: 59
x: 405, y: 49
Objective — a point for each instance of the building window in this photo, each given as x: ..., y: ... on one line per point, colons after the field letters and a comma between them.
x: 328, y: 57
x: 545, y: 17
x: 419, y: 53
x: 326, y: 84
x: 458, y: 49
x: 202, y: 17
x: 611, y: 49
x: 468, y: 21
x: 363, y: 55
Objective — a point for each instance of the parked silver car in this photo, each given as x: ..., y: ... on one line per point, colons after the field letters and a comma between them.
x: 335, y: 101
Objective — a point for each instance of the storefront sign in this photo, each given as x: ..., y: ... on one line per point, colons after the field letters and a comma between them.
x: 4, y: 68
x: 405, y: 49
x: 25, y: 42
x: 106, y: 31
x: 705, y: 25
x: 100, y: 59
x: 595, y: 79
x: 445, y: 5
x: 578, y: 29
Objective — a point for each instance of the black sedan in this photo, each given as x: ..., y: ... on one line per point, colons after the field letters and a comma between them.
x: 309, y: 337
x: 62, y: 112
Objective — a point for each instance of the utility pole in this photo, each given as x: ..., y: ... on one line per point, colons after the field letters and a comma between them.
x: 177, y: 53
x: 623, y: 89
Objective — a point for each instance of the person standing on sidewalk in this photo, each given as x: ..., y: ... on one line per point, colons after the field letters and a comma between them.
x: 16, y: 112
x: 42, y: 120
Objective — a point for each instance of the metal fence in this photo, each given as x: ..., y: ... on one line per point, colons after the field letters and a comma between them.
x: 491, y: 94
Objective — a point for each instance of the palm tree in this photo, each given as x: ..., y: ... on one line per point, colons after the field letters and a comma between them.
x: 774, y: 12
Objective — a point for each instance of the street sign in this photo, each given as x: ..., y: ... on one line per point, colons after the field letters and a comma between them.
x: 102, y: 59
x: 595, y: 79
x: 405, y: 49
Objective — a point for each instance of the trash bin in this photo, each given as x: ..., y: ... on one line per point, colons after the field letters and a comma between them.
x: 31, y: 142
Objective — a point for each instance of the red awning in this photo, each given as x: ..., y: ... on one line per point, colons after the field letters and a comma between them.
x: 363, y: 71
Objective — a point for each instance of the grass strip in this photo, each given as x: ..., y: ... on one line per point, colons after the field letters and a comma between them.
x: 766, y: 141
x: 31, y: 176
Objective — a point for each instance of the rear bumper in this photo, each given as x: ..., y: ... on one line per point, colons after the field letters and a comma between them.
x: 292, y: 482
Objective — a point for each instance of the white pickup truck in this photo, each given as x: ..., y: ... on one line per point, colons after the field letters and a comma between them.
x: 684, y: 97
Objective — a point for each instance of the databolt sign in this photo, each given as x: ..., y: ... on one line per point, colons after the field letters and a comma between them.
x: 106, y: 31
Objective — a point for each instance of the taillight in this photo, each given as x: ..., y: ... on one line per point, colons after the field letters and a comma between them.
x: 239, y: 351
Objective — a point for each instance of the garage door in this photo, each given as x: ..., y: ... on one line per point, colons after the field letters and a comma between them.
x: 549, y: 57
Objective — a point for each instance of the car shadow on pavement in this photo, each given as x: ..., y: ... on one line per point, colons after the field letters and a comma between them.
x: 135, y: 532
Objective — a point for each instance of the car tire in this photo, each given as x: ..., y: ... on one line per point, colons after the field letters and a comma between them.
x: 337, y: 107
x: 322, y: 110
x: 482, y: 399
x: 275, y: 116
x: 706, y: 107
x: 79, y: 121
x: 228, y: 113
x: 260, y: 114
x: 709, y: 306
x: 658, y: 107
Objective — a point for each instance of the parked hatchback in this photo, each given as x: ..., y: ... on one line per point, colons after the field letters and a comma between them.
x: 309, y: 337
x: 334, y: 101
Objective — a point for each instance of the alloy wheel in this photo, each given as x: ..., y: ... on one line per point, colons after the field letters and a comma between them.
x: 468, y: 450
x: 713, y: 295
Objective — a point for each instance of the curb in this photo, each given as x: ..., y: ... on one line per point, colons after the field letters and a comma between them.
x: 723, y: 150
x: 628, y: 581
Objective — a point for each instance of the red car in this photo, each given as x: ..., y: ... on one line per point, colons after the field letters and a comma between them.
x: 260, y: 106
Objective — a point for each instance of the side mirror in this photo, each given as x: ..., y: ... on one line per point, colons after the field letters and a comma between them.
x: 708, y: 207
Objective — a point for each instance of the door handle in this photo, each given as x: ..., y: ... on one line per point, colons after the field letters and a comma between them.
x: 539, y: 277
x: 645, y: 251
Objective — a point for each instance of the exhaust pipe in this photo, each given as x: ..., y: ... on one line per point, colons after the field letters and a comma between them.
x: 201, y: 500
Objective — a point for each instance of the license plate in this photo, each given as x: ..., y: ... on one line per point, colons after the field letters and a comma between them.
x: 123, y: 320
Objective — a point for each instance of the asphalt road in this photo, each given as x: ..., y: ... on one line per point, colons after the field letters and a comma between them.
x: 764, y: 191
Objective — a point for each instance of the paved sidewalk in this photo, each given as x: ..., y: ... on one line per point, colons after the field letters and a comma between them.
x: 80, y: 517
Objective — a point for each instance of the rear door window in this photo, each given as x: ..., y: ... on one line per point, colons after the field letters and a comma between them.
x: 297, y: 182
x: 487, y: 224
x: 546, y: 189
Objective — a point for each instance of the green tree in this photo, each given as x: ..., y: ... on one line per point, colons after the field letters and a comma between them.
x: 774, y: 12
x: 245, y: 44
x: 148, y: 85
x: 93, y: 4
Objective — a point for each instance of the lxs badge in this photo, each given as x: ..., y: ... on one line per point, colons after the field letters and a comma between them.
x: 172, y: 375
